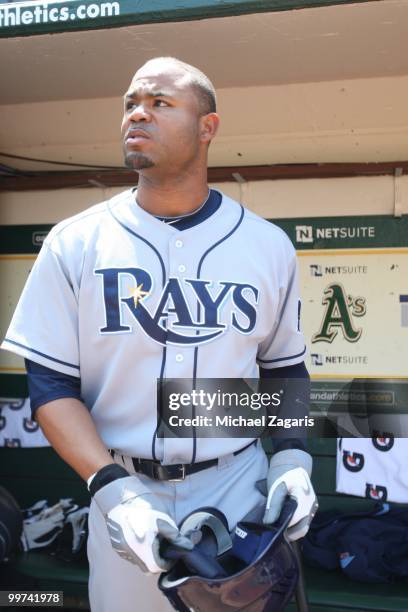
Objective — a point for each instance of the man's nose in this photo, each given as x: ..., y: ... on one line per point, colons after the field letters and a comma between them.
x: 139, y: 113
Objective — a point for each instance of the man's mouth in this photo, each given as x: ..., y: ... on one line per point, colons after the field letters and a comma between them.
x: 136, y: 136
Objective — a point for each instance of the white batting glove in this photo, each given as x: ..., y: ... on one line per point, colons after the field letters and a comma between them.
x: 137, y: 522
x: 289, y: 474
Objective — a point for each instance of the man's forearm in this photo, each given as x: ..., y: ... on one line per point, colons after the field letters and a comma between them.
x: 69, y: 428
x: 295, y: 403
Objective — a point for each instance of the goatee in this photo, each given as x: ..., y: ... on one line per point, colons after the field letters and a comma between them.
x: 137, y: 161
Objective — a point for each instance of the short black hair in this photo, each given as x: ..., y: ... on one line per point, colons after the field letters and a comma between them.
x: 203, y: 88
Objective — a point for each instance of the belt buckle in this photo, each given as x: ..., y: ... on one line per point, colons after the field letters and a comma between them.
x: 180, y: 478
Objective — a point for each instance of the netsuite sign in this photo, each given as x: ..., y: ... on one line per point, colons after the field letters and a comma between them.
x: 308, y: 233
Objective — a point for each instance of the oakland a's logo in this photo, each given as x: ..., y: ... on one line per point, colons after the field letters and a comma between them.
x: 340, y: 309
x: 383, y: 443
x: 354, y: 462
x: 127, y: 290
x: 376, y: 492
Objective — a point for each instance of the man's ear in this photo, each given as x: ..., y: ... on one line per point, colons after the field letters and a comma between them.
x: 209, y: 127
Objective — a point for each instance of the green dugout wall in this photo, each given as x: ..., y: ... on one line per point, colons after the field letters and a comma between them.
x: 354, y: 288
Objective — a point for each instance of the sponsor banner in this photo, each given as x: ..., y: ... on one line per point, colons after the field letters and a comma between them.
x: 28, y: 17
x: 32, y: 17
x: 346, y: 232
x: 361, y: 408
x: 355, y: 312
x: 354, y: 290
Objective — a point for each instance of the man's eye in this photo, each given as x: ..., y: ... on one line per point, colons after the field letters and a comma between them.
x: 157, y: 102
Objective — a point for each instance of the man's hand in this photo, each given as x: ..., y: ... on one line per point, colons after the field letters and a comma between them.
x: 289, y: 474
x: 137, y: 522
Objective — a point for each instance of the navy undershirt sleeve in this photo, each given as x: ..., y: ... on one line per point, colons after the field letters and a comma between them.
x: 300, y: 390
x: 45, y: 385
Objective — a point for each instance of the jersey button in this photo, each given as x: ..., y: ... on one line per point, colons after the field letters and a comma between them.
x: 182, y: 268
x: 179, y: 244
x: 179, y: 357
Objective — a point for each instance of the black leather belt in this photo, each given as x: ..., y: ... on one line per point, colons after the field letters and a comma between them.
x: 176, y: 472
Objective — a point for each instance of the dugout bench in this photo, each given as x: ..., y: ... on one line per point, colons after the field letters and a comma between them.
x: 33, y: 474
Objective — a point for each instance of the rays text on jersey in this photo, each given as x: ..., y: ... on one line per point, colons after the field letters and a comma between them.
x: 125, y: 292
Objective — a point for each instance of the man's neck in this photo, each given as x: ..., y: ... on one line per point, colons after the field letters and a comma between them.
x: 171, y: 198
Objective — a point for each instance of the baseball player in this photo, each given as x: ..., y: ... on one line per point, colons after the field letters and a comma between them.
x: 169, y: 280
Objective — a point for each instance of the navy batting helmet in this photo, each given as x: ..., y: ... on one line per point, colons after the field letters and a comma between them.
x: 254, y: 570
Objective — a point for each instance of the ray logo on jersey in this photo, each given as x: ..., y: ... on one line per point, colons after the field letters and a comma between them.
x: 172, y: 321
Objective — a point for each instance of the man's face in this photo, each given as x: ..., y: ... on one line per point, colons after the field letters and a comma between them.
x: 161, y: 123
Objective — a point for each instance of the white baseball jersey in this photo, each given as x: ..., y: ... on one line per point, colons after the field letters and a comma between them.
x: 121, y: 299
